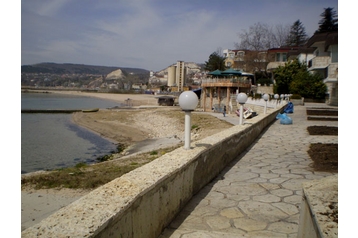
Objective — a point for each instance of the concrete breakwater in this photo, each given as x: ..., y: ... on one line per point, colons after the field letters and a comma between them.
x: 58, y: 110
x: 143, y: 202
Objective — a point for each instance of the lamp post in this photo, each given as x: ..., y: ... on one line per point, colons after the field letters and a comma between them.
x: 276, y: 96
x: 265, y: 97
x: 188, y: 102
x: 241, y: 99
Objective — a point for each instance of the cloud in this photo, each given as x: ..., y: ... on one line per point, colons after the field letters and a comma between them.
x: 145, y: 33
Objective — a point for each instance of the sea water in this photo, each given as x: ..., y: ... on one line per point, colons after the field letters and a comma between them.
x: 53, y: 141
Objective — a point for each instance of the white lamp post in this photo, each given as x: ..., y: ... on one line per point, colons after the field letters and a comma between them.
x: 265, y: 97
x: 276, y: 96
x: 188, y: 102
x: 241, y: 98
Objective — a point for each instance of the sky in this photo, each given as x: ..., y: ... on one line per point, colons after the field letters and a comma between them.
x: 149, y: 34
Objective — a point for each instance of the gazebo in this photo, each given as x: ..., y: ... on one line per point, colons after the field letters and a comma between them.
x: 220, y: 81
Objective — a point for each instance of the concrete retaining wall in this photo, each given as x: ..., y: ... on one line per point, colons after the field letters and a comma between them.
x: 319, y: 204
x: 143, y: 202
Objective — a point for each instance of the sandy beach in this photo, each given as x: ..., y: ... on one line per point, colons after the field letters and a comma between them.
x: 125, y: 126
x: 135, y: 99
x: 140, y: 130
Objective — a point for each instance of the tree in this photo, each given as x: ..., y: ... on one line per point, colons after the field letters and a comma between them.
x: 308, y: 85
x: 216, y: 61
x: 262, y: 37
x: 329, y: 21
x: 296, y: 79
x: 298, y: 36
x: 284, y: 75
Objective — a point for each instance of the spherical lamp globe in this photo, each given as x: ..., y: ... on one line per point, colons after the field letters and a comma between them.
x: 241, y: 98
x: 188, y: 101
x: 265, y: 97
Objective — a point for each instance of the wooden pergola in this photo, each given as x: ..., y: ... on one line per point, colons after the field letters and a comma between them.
x: 229, y: 81
x: 222, y: 85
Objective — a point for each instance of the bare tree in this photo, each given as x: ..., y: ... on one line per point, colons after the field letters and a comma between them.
x: 280, y: 35
x: 261, y: 36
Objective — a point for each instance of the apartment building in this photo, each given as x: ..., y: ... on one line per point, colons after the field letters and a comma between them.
x: 325, y: 62
x: 245, y: 60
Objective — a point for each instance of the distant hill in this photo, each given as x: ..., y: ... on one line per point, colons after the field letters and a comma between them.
x: 54, y: 68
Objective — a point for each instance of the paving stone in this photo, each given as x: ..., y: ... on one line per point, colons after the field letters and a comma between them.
x: 248, y: 189
x: 217, y: 222
x: 270, y: 186
x: 286, y: 207
x: 232, y: 212
x: 262, y: 211
x: 281, y: 192
x: 265, y: 234
x: 283, y: 227
x: 259, y: 193
x: 248, y: 224
x: 267, y: 198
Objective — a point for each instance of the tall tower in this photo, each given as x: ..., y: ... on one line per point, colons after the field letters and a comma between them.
x: 180, y: 75
x: 171, y: 75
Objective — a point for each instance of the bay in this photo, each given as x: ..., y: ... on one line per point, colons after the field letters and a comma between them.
x: 53, y: 141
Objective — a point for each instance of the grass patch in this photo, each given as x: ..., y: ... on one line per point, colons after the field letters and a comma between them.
x: 83, y: 176
x: 194, y: 127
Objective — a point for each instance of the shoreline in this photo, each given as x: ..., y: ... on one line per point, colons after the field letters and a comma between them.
x: 148, y: 129
x: 135, y: 99
x: 36, y: 205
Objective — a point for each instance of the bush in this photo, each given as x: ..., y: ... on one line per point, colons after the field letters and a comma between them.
x: 296, y: 96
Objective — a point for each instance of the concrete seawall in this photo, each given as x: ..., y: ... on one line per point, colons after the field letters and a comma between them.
x: 143, y: 202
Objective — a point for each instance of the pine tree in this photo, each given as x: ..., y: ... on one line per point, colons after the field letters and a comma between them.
x: 215, y: 62
x: 298, y: 36
x: 329, y: 21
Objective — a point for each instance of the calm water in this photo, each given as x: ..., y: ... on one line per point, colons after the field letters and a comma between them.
x: 51, y: 141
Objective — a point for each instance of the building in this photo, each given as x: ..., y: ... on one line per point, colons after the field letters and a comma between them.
x: 223, y: 86
x: 177, y: 76
x: 325, y: 62
x: 245, y: 60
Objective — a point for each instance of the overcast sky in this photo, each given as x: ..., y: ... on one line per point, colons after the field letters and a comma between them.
x: 149, y: 34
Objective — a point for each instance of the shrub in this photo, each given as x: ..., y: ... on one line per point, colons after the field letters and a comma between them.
x: 296, y: 96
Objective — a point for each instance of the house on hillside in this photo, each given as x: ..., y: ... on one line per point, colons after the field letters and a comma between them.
x: 279, y: 56
x: 325, y: 62
x: 245, y: 60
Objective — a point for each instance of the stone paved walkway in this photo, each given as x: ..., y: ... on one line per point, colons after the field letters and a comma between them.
x: 259, y: 194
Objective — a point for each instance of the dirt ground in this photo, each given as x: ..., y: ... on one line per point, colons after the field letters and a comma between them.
x: 325, y: 156
x: 130, y: 126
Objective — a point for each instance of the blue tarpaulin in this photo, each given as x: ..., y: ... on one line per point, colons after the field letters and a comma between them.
x: 288, y: 108
x: 284, y: 119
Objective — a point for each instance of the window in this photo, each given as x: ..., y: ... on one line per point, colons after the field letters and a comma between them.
x: 240, y: 55
x: 284, y: 57
x: 277, y: 57
x: 281, y: 57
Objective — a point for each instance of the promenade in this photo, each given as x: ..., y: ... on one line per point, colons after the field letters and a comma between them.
x: 259, y: 193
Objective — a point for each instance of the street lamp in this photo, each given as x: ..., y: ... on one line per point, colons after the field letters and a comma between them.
x: 265, y: 97
x: 276, y: 96
x: 188, y: 102
x: 241, y: 99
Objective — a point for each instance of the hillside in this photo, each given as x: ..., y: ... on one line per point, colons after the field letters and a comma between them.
x: 53, y: 68
x: 81, y: 76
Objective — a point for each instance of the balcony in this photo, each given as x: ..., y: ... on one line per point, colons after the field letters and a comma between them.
x: 319, y: 62
x: 225, y: 82
x: 332, y: 73
x: 274, y: 65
